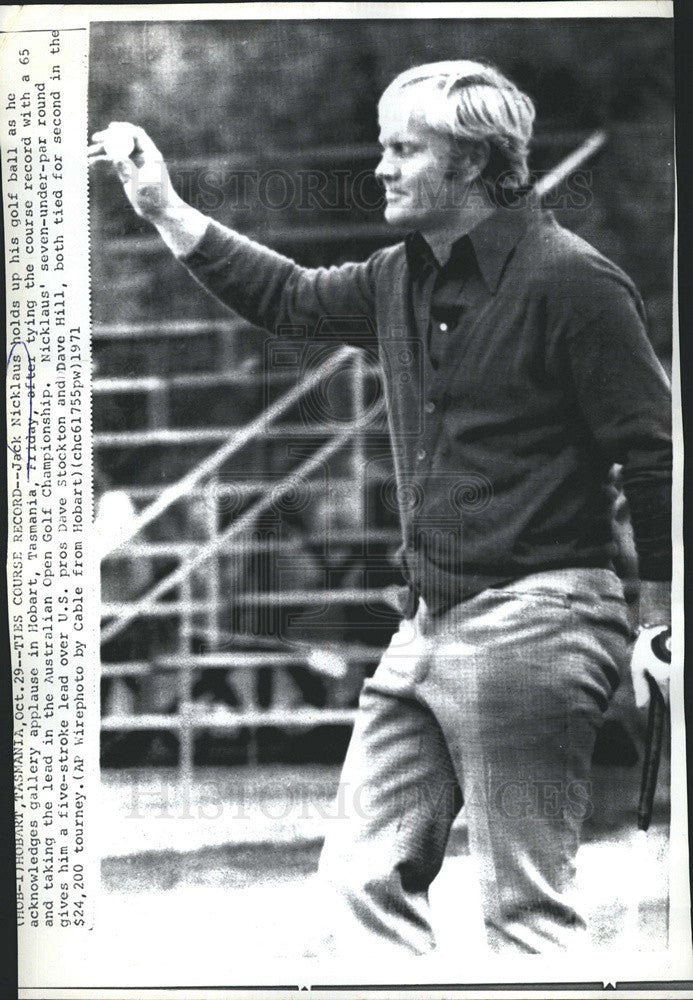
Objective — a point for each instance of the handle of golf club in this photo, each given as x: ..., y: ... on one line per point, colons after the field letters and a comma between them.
x: 655, y: 734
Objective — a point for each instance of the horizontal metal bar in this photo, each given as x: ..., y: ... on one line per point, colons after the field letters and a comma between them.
x: 153, y: 550
x: 163, y: 610
x: 155, y: 328
x: 234, y: 660
x: 171, y: 437
x: 258, y: 658
x: 131, y: 668
x: 199, y: 380
x: 293, y: 718
x: 271, y: 599
x: 105, y: 386
x: 224, y: 486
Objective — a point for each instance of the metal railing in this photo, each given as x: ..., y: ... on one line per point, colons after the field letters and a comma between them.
x: 189, y: 609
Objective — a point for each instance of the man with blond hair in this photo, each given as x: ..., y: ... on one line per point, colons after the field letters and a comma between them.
x: 517, y: 372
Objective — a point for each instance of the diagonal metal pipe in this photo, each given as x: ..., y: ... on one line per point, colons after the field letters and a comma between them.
x: 272, y: 492
x: 237, y: 440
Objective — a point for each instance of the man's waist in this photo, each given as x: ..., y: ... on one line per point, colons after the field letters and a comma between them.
x: 571, y: 583
x: 442, y: 589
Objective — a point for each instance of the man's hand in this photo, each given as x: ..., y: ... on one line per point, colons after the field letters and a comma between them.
x: 139, y: 166
x: 147, y: 184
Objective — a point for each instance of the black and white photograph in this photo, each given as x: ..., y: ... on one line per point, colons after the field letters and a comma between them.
x: 382, y: 354
x: 382, y: 459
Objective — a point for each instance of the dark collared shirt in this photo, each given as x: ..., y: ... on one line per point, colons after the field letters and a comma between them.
x: 438, y: 296
x: 515, y: 376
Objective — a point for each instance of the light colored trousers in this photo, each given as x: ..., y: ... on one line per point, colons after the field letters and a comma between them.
x: 496, y: 704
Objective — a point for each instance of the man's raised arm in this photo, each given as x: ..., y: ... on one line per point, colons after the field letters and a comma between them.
x: 147, y: 184
x: 263, y: 286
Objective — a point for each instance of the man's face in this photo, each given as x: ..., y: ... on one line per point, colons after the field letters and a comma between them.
x: 415, y: 170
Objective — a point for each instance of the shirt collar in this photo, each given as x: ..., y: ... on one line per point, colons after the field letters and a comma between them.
x: 493, y: 240
x: 419, y: 253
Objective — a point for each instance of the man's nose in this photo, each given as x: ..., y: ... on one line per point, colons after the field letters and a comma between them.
x: 387, y: 169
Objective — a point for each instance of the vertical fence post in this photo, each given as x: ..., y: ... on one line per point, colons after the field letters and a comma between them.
x: 158, y: 407
x: 185, y: 685
x: 213, y: 575
x: 358, y: 448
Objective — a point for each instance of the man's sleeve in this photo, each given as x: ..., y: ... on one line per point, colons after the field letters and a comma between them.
x: 625, y: 397
x: 271, y: 290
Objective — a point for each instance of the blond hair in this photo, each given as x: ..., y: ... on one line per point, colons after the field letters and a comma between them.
x: 471, y: 102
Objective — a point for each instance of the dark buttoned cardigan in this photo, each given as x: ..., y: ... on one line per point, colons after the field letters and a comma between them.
x: 502, y: 453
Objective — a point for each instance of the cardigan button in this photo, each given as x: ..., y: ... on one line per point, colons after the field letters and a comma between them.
x: 421, y: 454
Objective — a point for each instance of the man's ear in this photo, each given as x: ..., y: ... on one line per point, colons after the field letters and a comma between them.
x: 470, y: 162
x: 479, y: 153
